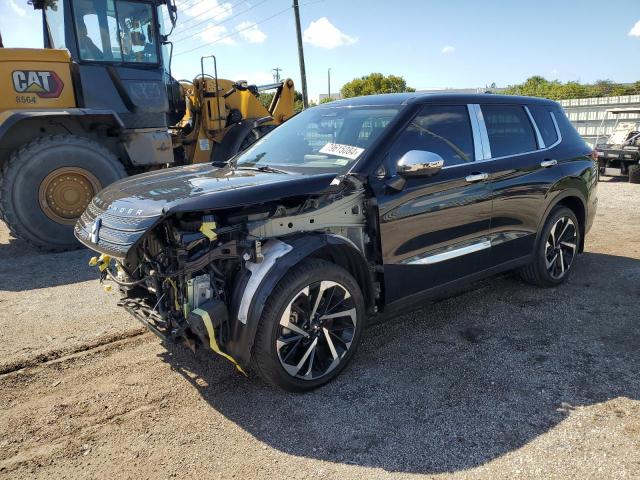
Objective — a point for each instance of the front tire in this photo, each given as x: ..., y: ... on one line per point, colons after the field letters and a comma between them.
x: 556, y: 250
x: 47, y: 183
x: 310, y: 328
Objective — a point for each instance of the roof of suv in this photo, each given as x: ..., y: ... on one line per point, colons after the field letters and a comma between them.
x: 412, y: 98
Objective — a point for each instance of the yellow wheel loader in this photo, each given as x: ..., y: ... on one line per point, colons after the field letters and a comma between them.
x: 98, y: 103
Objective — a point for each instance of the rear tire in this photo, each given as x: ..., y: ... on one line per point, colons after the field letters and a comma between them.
x: 634, y: 173
x: 47, y: 183
x: 555, y: 251
x: 299, y: 347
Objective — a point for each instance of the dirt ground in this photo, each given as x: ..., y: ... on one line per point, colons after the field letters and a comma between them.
x: 502, y: 381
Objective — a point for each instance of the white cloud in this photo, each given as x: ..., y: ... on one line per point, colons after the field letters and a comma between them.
x: 447, y: 49
x: 259, y: 77
x: 202, y: 9
x: 17, y: 8
x: 215, y: 33
x: 250, y: 32
x: 322, y: 33
x: 635, y: 30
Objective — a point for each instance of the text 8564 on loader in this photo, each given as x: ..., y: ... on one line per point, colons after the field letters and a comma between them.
x: 98, y: 103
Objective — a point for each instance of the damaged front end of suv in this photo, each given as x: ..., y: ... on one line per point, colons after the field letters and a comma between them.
x: 203, y: 255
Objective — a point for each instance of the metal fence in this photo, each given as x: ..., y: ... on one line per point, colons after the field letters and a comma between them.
x: 586, y: 114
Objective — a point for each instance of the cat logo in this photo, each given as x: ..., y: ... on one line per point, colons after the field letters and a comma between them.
x: 43, y: 84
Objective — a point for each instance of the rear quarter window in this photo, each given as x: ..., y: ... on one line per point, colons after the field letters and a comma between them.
x: 509, y: 129
x: 542, y: 116
x: 569, y: 134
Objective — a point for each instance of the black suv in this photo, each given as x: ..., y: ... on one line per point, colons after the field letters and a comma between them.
x: 276, y: 260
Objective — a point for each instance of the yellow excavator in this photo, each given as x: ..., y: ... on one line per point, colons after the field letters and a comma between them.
x: 99, y: 103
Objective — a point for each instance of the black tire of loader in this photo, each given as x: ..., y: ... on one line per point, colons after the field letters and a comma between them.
x: 634, y: 173
x: 23, y: 173
x: 254, y: 135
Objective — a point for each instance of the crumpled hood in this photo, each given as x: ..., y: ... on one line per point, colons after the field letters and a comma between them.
x: 200, y: 187
x: 126, y: 209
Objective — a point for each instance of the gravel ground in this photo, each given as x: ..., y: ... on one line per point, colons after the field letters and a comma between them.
x: 504, y: 380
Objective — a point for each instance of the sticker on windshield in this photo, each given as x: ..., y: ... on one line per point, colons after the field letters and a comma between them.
x: 339, y: 150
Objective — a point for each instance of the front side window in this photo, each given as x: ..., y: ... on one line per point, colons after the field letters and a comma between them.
x: 509, y: 129
x: 442, y: 129
x: 117, y: 31
x: 321, y: 139
x: 545, y: 124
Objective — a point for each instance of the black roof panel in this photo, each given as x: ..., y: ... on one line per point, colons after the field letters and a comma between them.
x: 420, y: 98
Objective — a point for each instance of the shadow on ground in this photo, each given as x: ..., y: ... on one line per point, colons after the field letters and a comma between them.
x: 23, y: 267
x: 458, y: 383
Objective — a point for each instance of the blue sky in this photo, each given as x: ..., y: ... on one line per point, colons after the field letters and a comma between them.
x: 430, y: 43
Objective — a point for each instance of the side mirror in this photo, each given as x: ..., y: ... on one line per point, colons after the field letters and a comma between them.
x: 419, y: 163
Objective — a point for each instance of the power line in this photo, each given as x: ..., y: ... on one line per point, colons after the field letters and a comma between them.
x: 219, y: 14
x: 189, y: 4
x: 233, y: 33
x: 193, y: 34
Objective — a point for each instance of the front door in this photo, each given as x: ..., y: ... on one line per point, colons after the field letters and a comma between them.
x: 435, y: 230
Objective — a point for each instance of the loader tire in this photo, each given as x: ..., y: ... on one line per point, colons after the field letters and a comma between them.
x: 254, y: 135
x: 46, y: 185
x: 634, y: 173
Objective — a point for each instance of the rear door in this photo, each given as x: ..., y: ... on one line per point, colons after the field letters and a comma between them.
x: 522, y: 169
x: 435, y: 230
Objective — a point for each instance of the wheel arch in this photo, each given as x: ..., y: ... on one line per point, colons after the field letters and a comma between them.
x: 19, y: 127
x: 328, y: 247
x: 574, y: 200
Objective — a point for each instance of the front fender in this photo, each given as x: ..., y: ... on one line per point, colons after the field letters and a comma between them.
x: 250, y: 295
x: 10, y: 118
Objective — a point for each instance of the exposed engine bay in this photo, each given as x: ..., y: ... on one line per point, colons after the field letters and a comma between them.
x: 195, y: 276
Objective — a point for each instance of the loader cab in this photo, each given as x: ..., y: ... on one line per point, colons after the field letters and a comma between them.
x: 118, y: 61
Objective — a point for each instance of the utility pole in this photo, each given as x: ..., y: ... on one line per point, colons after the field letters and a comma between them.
x: 303, y: 74
x: 329, y: 83
x: 276, y: 74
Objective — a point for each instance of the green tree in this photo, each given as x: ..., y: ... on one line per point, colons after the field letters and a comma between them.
x: 374, y: 83
x: 538, y: 86
x: 327, y: 100
x: 267, y: 97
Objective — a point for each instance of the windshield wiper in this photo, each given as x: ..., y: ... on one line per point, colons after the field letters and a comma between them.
x: 262, y: 168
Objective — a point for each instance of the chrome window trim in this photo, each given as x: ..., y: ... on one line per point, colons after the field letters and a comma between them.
x: 484, y: 137
x: 475, y: 130
x: 541, y: 145
x: 449, y: 254
x: 486, y: 144
x: 555, y: 122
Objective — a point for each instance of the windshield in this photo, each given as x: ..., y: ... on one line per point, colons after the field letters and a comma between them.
x: 320, y: 139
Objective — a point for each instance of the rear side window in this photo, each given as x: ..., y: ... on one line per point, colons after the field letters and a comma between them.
x: 545, y: 124
x: 509, y: 129
x: 442, y: 129
x: 569, y: 133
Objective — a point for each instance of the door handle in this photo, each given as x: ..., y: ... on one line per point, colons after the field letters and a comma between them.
x: 548, y: 163
x: 476, y: 177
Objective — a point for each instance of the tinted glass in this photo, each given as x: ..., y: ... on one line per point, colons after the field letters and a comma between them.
x: 545, y: 124
x: 135, y: 21
x: 569, y: 133
x: 97, y: 30
x: 442, y: 129
x: 115, y: 32
x: 509, y: 129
